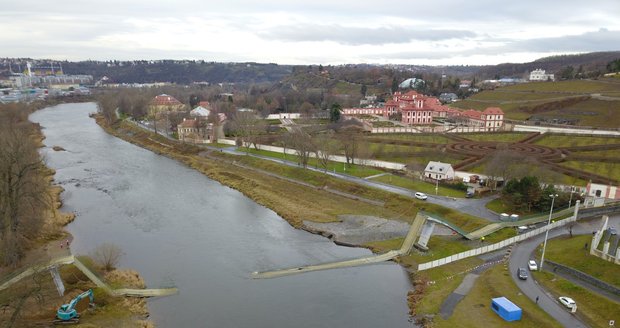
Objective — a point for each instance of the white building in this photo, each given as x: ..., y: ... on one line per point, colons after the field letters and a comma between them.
x: 601, y: 190
x: 439, y: 171
x: 540, y: 75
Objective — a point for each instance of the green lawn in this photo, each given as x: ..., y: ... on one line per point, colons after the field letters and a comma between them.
x: 351, y: 169
x: 571, y: 252
x: 475, y: 309
x: 495, y: 137
x: 558, y: 140
x: 430, y: 138
x: 595, y: 309
x: 610, y: 170
x: 419, y: 185
x: 613, y: 153
x: 575, y: 86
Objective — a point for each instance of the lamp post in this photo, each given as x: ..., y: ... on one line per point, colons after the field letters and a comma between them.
x: 436, y: 186
x: 570, y: 200
x: 542, y: 258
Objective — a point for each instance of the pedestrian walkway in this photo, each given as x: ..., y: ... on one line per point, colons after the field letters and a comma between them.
x: 412, y: 235
x: 92, y: 276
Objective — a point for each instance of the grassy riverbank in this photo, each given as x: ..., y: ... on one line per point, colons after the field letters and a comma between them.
x: 33, y: 301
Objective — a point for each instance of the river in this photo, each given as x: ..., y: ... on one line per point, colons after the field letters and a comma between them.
x: 179, y: 228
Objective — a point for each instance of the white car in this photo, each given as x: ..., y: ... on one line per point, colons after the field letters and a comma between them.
x: 532, y: 265
x: 567, y: 301
x: 421, y: 195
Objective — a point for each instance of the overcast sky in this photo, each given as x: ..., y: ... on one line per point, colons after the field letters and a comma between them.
x: 437, y: 32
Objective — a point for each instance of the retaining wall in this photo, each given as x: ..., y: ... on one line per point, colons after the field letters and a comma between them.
x: 585, y: 277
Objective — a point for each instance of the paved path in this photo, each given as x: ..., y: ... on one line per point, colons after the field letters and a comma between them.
x: 450, y: 303
x: 521, y: 254
x: 475, y: 207
x: 414, y: 232
x: 73, y: 260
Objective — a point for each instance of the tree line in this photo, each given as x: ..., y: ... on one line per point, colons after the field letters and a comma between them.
x: 23, y: 186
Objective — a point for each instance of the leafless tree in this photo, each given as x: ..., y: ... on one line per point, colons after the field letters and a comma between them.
x: 326, y: 146
x: 107, y: 256
x: 303, y: 145
x: 350, y: 135
x: 248, y: 128
x: 23, y: 190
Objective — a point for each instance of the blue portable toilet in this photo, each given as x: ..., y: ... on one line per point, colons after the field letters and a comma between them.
x: 506, y: 309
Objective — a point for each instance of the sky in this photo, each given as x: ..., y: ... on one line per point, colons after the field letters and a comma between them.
x: 438, y: 32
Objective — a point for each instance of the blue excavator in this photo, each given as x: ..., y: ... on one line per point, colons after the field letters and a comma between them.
x: 67, y: 314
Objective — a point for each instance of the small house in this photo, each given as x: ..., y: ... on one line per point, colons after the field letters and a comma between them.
x: 506, y: 309
x: 439, y: 171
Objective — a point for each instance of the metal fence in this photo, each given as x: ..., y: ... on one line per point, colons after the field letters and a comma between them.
x: 499, y: 245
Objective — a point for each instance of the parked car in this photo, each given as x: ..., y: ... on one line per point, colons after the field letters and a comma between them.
x: 421, y: 196
x: 469, y: 194
x: 522, y: 274
x: 532, y: 265
x: 567, y: 301
x: 613, y: 231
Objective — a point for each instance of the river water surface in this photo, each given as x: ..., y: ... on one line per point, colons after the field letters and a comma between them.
x: 179, y: 228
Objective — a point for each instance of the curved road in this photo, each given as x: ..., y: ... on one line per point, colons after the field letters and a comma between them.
x: 523, y: 252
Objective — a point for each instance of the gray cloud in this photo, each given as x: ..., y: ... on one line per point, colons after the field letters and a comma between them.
x: 600, y: 40
x: 360, y: 35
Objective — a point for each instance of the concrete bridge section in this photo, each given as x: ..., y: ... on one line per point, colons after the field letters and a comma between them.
x: 73, y: 260
x: 412, y: 235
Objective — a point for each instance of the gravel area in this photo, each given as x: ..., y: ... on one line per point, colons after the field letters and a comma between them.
x: 361, y: 229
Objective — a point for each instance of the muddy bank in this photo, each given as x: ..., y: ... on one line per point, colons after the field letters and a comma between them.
x: 358, y: 230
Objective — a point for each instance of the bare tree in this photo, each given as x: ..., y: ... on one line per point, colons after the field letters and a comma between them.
x: 326, y: 147
x: 107, y: 256
x: 303, y: 145
x: 248, y: 128
x: 23, y: 191
x: 349, y: 135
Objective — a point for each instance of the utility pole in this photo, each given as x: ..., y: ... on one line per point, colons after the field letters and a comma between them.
x: 542, y: 258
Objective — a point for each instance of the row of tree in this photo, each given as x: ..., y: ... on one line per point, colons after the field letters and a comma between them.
x: 528, y: 194
x: 23, y: 187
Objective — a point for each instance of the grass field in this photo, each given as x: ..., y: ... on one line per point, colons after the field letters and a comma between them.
x: 610, y: 170
x: 595, y: 309
x: 418, y: 185
x: 430, y: 138
x: 495, y: 137
x: 614, y: 153
x: 571, y: 252
x: 573, y: 86
x: 558, y: 140
x: 351, y: 169
x: 592, y: 112
x: 475, y: 309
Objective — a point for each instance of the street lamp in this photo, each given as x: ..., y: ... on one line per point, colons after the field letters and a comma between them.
x: 542, y: 258
x: 570, y: 200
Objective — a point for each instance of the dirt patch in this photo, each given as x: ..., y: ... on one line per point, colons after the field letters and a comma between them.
x: 359, y: 229
x: 58, y: 148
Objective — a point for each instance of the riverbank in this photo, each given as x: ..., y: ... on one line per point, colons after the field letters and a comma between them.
x: 34, y: 301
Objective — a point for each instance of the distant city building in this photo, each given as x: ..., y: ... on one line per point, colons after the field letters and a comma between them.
x: 540, y: 75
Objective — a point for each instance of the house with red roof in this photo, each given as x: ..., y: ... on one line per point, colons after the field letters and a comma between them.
x: 164, y: 103
x: 491, y: 119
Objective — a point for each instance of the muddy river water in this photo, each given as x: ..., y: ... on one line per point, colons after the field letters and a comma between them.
x: 180, y: 228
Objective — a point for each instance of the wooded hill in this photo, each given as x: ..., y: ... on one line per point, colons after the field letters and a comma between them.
x: 316, y: 76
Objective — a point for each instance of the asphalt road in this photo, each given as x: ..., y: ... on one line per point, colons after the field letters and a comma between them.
x: 523, y: 252
x: 475, y: 207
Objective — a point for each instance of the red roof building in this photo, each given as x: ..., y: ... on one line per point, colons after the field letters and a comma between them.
x: 165, y: 103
